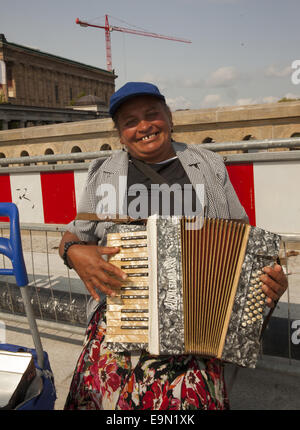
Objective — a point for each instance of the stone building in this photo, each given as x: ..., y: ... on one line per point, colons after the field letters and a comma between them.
x: 37, y: 80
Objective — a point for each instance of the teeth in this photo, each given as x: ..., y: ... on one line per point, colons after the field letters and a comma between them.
x: 149, y: 137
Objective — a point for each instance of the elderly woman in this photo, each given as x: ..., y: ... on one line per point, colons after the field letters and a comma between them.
x: 104, y: 379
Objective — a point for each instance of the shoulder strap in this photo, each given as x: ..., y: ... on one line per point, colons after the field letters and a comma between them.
x: 155, y: 177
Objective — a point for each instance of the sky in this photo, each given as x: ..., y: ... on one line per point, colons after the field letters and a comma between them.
x: 241, y: 52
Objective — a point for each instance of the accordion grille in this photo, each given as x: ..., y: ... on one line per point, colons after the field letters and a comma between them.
x: 212, y: 257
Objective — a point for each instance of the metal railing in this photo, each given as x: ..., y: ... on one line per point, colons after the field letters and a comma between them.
x: 56, y: 293
x: 77, y: 161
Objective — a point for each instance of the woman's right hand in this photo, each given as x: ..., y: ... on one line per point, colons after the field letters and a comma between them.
x: 94, y: 270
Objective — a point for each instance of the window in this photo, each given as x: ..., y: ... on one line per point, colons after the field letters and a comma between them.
x: 208, y: 140
x: 56, y: 93
x: 2, y: 155
x: 25, y: 154
x: 50, y: 151
x: 246, y: 138
x: 105, y: 147
x: 75, y: 150
x: 295, y: 148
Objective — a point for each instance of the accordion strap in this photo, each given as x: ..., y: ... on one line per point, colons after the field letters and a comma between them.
x: 87, y: 216
x: 155, y: 177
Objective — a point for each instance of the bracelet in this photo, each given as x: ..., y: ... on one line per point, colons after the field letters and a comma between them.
x: 67, y: 245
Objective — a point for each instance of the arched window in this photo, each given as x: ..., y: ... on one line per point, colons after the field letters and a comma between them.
x: 50, y: 151
x: 249, y: 137
x: 295, y: 148
x: 246, y: 138
x: 25, y: 154
x: 105, y: 147
x: 2, y: 155
x: 208, y: 140
x: 75, y: 150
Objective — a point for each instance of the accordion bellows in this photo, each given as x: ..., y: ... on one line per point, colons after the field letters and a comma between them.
x: 193, y: 288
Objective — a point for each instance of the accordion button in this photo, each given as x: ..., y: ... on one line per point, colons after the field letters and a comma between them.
x: 244, y: 324
x: 245, y: 317
x: 249, y: 322
x: 250, y: 296
x: 259, y: 272
x: 259, y: 317
x: 253, y: 281
x: 252, y: 307
x: 248, y: 302
x: 255, y: 311
x: 261, y: 302
x: 259, y: 309
x: 250, y: 314
x: 247, y: 310
x: 253, y: 319
x: 262, y: 295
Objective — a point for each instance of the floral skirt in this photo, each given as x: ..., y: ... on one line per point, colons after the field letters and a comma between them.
x: 112, y: 381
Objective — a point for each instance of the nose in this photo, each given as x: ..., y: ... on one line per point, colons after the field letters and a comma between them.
x: 144, y: 126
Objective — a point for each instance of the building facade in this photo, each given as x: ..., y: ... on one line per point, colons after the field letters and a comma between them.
x: 32, y: 78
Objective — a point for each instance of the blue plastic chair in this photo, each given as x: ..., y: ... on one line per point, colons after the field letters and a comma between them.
x: 12, y: 249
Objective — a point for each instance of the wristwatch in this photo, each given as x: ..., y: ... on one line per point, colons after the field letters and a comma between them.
x: 67, y: 245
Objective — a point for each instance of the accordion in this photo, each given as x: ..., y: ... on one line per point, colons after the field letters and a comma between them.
x: 192, y: 287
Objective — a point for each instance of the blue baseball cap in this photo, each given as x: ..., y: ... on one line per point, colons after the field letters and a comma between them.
x: 130, y: 90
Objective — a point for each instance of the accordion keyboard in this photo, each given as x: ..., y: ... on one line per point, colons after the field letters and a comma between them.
x: 127, y: 313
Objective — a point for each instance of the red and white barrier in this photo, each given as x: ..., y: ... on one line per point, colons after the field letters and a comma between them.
x: 268, y: 191
x: 44, y: 197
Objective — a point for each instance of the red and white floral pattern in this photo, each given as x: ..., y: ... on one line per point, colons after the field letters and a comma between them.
x: 107, y: 380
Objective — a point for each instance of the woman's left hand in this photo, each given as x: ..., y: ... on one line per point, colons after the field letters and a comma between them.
x: 275, y: 283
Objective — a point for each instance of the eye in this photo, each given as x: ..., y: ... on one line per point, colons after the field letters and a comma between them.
x: 152, y: 114
x: 131, y: 122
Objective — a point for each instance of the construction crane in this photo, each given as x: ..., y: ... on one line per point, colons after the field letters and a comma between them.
x: 109, y: 28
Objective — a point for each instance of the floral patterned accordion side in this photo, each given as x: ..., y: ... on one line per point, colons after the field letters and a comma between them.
x: 193, y: 288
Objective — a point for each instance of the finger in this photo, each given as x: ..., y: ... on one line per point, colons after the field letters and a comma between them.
x: 105, y: 278
x: 271, y: 288
x: 108, y: 250
x: 114, y: 270
x: 91, y: 289
x: 95, y: 286
x: 276, y: 273
x: 276, y: 279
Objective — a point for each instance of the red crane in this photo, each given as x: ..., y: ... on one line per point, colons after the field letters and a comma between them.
x: 109, y: 28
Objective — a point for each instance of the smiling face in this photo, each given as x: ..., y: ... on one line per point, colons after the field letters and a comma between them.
x: 144, y: 124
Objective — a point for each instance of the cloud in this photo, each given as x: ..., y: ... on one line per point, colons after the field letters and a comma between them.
x: 169, y: 82
x: 270, y: 99
x: 246, y: 101
x: 222, y: 77
x: 177, y: 103
x: 276, y: 72
x: 212, y: 100
x: 291, y: 96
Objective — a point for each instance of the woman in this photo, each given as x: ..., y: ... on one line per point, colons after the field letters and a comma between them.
x: 107, y: 380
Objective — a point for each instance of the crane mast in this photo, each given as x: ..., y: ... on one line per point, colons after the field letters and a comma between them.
x: 109, y: 28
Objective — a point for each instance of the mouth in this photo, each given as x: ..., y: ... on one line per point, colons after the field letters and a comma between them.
x: 149, y: 136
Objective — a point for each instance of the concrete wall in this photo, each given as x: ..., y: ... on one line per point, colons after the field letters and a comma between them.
x: 267, y: 121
